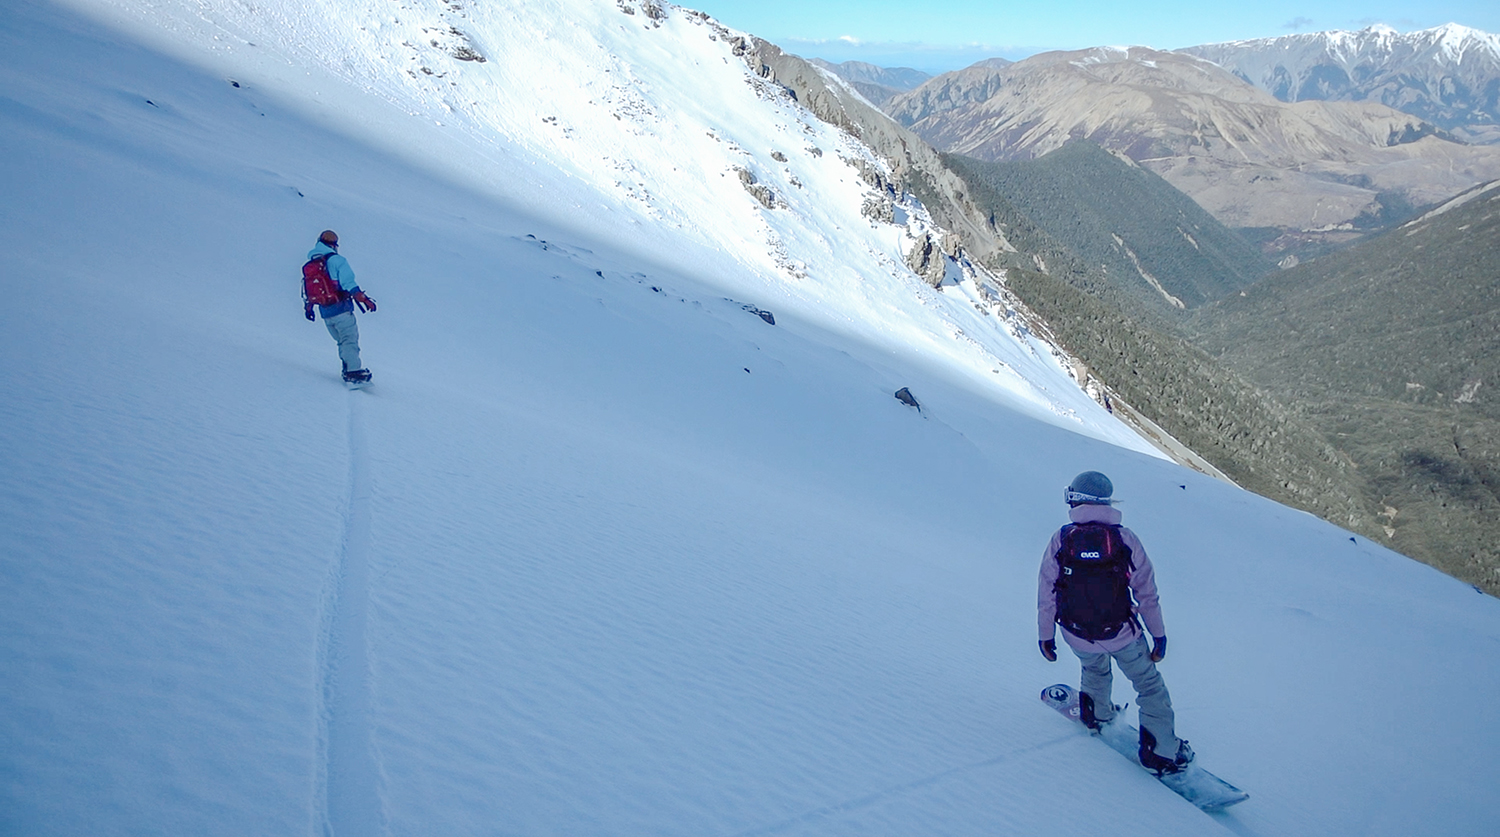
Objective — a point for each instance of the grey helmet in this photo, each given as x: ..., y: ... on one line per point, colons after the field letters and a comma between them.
x: 1090, y: 488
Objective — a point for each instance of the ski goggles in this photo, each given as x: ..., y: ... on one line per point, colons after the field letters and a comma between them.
x: 1078, y: 497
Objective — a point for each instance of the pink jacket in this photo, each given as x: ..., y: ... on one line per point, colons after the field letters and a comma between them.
x: 1142, y: 586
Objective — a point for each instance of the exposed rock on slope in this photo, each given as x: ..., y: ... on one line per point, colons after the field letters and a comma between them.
x: 914, y: 164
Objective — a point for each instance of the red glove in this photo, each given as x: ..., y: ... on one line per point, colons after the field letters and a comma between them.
x: 308, y: 312
x: 365, y: 303
x: 1049, y: 649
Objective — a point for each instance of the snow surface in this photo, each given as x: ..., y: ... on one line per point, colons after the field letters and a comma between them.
x: 601, y: 552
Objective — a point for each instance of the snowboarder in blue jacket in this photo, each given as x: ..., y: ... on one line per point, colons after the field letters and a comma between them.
x: 339, y: 316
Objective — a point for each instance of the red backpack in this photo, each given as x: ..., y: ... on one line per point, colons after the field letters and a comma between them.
x: 317, y: 286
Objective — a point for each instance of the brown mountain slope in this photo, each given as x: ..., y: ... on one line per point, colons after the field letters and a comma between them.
x: 1246, y: 157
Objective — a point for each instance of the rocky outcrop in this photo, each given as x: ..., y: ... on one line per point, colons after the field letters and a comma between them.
x: 930, y: 257
x: 762, y: 313
x: 760, y: 191
x: 914, y: 165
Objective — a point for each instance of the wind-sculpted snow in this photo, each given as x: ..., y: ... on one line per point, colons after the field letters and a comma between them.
x: 636, y: 560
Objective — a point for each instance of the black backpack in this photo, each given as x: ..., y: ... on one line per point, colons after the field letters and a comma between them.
x: 1093, y: 581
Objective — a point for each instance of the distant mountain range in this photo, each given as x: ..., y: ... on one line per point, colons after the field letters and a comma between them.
x: 878, y: 84
x: 1449, y: 75
x: 1309, y: 171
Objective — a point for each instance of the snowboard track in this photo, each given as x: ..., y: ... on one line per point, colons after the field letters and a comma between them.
x: 349, y: 788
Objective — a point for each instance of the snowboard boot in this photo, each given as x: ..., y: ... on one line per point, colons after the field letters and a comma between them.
x: 1087, y: 714
x: 358, y: 376
x: 1160, y: 765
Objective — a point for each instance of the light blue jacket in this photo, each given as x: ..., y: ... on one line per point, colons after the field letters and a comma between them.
x: 342, y: 273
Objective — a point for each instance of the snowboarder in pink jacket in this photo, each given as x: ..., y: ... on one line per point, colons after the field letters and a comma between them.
x: 1098, y: 585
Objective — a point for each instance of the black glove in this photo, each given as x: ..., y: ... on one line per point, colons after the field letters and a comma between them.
x: 308, y: 312
x: 1049, y: 649
x: 1159, y: 653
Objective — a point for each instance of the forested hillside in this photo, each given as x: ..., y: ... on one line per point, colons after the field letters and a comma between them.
x: 1154, y: 243
x: 1391, y: 349
x: 1132, y: 345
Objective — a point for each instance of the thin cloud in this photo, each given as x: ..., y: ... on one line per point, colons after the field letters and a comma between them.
x: 1297, y: 23
x: 907, y: 46
x: 927, y: 57
x: 1399, y: 23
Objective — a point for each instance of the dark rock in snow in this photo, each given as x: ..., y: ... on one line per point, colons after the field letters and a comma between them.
x: 764, y: 315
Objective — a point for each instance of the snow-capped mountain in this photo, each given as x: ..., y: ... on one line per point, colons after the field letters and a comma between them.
x: 1448, y: 75
x: 604, y: 551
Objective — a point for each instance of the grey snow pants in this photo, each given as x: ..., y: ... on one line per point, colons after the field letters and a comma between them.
x: 1151, y: 691
x: 345, y: 330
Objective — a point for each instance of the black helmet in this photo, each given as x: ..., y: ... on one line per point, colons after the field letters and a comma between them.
x: 1090, y: 488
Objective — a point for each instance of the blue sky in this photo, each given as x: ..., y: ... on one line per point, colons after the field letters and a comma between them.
x: 945, y: 36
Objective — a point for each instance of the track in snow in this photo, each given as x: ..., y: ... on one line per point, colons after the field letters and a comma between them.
x: 351, y: 794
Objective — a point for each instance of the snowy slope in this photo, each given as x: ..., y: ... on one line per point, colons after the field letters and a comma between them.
x: 602, y: 552
x: 635, y: 126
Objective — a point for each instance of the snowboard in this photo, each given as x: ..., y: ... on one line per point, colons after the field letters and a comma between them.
x: 1192, y: 783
